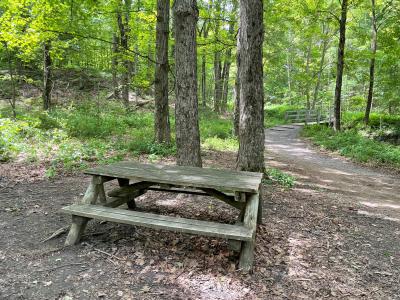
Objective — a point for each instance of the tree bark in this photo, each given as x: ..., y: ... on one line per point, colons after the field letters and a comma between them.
x: 217, y: 82
x: 203, y: 70
x: 13, y: 99
x: 227, y: 65
x: 46, y: 76
x: 251, y: 123
x: 236, y: 113
x: 161, y: 119
x: 374, y: 34
x: 217, y: 64
x: 114, y: 66
x: 340, y: 66
x: 123, y: 24
x: 186, y: 107
x: 225, y: 80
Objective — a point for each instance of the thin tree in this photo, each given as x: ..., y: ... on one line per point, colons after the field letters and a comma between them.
x: 186, y: 107
x: 114, y: 66
x: 377, y: 20
x: 340, y: 66
x: 161, y: 119
x: 250, y: 68
x: 123, y: 25
x: 46, y: 95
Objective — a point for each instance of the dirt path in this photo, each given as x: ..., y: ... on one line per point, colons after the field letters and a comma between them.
x: 313, y: 244
x: 377, y: 192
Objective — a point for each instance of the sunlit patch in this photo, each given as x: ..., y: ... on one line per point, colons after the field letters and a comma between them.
x: 387, y: 205
x: 297, y: 265
x: 379, y: 216
x: 208, y: 286
x: 171, y: 202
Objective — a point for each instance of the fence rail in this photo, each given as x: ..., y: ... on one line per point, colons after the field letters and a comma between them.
x: 308, y: 116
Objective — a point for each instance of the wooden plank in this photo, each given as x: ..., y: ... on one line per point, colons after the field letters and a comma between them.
x: 229, y: 180
x: 78, y: 222
x: 223, y: 197
x: 250, y: 222
x: 125, y: 191
x: 161, y: 222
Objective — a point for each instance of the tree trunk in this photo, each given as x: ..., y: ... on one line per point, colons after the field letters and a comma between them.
x: 13, y: 89
x: 236, y: 113
x: 225, y: 80
x: 186, y: 107
x: 114, y: 66
x: 251, y: 123
x: 340, y: 67
x: 321, y: 68
x: 374, y: 33
x: 227, y: 65
x: 46, y: 76
x: 217, y: 82
x: 123, y: 24
x: 217, y: 64
x: 203, y: 70
x: 161, y: 119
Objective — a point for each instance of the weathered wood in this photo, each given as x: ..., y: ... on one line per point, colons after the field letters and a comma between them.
x: 125, y: 191
x: 250, y: 222
x: 102, y: 179
x: 77, y: 228
x: 161, y: 222
x: 259, y: 213
x: 130, y: 199
x: 218, y: 179
x: 225, y: 198
x: 79, y: 223
x: 118, y: 201
x: 102, y: 194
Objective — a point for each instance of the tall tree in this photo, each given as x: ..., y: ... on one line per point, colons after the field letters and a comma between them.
x: 374, y: 33
x: 250, y: 68
x: 186, y: 107
x: 123, y: 25
x: 217, y: 61
x: 114, y: 66
x: 161, y: 119
x: 340, y: 66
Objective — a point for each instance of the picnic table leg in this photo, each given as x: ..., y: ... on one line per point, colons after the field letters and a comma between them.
x: 250, y: 221
x: 79, y: 223
x: 131, y: 199
x: 259, y: 213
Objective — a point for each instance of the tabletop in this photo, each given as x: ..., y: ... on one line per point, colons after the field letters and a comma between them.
x: 219, y: 179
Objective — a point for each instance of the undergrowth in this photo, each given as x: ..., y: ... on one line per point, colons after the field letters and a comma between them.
x: 351, y: 143
x: 273, y: 175
x: 72, y: 137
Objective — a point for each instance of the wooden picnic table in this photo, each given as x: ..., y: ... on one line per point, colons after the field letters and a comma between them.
x: 236, y: 188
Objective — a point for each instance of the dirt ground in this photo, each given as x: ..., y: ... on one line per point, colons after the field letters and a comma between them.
x: 320, y: 239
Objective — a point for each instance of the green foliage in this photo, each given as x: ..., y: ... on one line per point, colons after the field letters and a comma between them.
x: 275, y: 114
x: 74, y: 136
x: 351, y: 143
x: 273, y: 175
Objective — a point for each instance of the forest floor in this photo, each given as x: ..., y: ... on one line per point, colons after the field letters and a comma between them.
x: 336, y: 234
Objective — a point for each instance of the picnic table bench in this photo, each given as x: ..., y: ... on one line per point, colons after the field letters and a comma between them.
x: 236, y: 188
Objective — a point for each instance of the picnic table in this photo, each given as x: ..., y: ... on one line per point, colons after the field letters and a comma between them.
x: 236, y: 188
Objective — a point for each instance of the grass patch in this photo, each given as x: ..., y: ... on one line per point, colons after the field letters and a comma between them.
x: 352, y: 144
x: 277, y: 176
x: 72, y: 137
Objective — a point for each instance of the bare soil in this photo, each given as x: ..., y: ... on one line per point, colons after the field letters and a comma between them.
x: 316, y: 240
